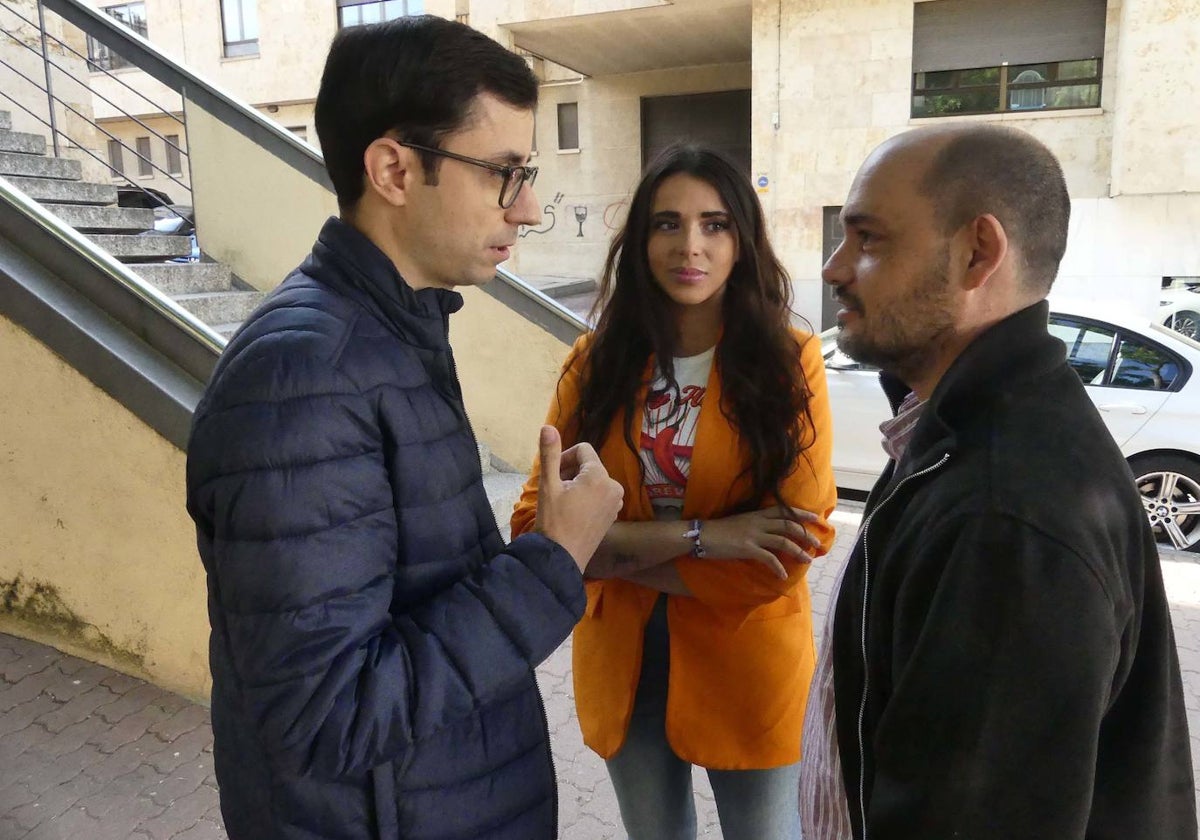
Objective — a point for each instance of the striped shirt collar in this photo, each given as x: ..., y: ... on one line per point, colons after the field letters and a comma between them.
x: 898, y: 431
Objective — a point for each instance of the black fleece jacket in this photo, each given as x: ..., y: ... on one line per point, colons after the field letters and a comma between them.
x: 1004, y: 660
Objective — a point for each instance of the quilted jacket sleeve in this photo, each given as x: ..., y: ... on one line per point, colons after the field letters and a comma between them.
x: 810, y: 487
x: 297, y: 527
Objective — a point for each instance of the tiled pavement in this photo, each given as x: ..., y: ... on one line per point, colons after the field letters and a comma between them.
x: 90, y: 754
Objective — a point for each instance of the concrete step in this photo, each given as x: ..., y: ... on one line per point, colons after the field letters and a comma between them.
x: 5, y: 121
x: 91, y: 219
x: 33, y: 166
x: 186, y: 278
x: 150, y: 248
x: 19, y: 141
x: 50, y: 191
x: 555, y: 286
x: 221, y: 307
x: 503, y: 489
x: 567, y: 287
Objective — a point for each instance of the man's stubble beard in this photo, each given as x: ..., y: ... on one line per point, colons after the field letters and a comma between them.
x: 906, y: 342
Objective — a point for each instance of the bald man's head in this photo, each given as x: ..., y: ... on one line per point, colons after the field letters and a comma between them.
x: 973, y: 170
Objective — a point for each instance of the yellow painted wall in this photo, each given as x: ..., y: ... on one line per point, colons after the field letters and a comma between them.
x: 99, y: 555
x: 508, y: 368
x: 253, y: 211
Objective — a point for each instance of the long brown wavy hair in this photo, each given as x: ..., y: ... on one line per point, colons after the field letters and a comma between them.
x: 764, y: 393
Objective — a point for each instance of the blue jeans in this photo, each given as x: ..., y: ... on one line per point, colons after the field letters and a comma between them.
x: 654, y: 786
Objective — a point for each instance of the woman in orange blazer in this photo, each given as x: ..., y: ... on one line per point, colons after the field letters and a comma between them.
x: 696, y: 646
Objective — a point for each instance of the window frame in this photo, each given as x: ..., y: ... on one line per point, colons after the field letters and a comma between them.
x: 411, y: 9
x: 242, y: 47
x: 1004, y: 87
x: 145, y: 156
x: 116, y: 162
x: 558, y: 114
x: 100, y: 57
x: 1121, y: 335
x: 174, y: 154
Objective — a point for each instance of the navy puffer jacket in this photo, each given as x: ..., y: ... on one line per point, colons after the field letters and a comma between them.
x: 373, y: 640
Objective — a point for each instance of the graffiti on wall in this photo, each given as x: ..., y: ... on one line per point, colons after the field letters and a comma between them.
x: 614, y: 214
x: 613, y: 217
x: 545, y: 227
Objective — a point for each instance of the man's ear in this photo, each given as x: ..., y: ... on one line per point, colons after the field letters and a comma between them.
x: 988, y: 248
x: 390, y: 170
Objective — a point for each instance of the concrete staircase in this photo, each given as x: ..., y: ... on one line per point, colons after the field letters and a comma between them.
x: 206, y: 289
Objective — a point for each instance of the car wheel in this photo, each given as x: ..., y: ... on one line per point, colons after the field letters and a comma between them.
x: 1185, y: 322
x: 1170, y: 488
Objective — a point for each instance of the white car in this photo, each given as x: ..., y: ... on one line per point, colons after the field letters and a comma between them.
x: 1179, y: 309
x: 1144, y: 378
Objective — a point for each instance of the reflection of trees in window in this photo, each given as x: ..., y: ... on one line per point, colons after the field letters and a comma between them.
x: 1145, y: 367
x: 982, y: 90
x: 1135, y: 365
x: 101, y: 56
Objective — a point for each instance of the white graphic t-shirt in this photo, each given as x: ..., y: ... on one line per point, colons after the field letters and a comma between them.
x: 669, y: 430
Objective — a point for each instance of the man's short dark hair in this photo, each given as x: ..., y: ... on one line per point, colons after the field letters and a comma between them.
x: 415, y: 76
x: 1010, y: 174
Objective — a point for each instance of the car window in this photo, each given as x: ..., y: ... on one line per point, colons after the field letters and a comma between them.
x: 1142, y: 366
x: 1088, y: 348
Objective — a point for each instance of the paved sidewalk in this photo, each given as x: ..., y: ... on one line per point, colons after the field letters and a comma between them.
x: 90, y: 754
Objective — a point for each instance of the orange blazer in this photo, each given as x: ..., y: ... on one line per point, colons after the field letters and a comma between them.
x: 741, y: 646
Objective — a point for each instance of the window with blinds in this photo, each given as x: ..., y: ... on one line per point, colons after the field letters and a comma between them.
x: 979, y: 57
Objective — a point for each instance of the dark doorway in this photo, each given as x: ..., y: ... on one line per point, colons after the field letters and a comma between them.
x: 831, y: 238
x: 720, y: 119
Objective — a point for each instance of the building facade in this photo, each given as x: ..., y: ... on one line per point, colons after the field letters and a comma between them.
x: 798, y: 91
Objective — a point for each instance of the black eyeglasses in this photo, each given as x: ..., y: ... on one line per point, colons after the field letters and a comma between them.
x: 515, y: 177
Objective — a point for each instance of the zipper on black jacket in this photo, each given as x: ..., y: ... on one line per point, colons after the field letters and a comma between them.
x: 536, y: 690
x: 862, y: 708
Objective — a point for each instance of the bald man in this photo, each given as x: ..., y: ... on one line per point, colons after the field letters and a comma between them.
x: 999, y: 662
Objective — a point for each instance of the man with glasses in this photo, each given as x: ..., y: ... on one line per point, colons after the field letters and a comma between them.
x: 373, y: 639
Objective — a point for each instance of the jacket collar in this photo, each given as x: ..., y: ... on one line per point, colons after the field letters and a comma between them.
x: 346, y: 260
x: 1002, y: 361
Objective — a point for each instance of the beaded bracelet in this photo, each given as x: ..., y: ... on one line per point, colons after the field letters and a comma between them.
x: 694, y: 536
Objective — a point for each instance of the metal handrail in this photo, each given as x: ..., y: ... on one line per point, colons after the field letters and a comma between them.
x: 239, y: 116
x: 109, y: 265
x: 81, y: 147
x: 91, y: 91
x: 541, y: 298
x: 278, y: 141
x: 90, y: 63
x: 46, y: 59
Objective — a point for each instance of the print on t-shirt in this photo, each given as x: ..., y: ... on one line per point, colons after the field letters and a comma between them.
x: 669, y: 431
